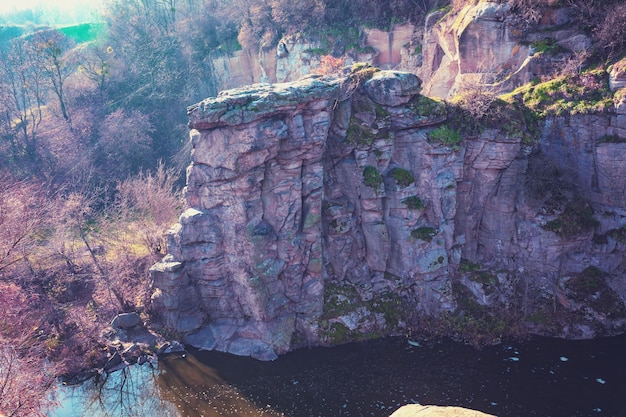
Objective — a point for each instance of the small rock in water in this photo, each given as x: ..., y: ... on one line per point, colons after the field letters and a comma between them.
x: 564, y: 358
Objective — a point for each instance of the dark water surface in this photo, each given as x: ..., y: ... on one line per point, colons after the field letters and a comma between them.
x: 539, y: 377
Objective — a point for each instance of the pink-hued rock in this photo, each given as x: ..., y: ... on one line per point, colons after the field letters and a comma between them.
x: 320, y: 210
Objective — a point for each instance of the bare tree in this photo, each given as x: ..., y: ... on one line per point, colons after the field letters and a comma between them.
x: 611, y: 32
x: 25, y: 376
x: 22, y: 101
x: 24, y: 383
x: 95, y: 63
x: 125, y: 144
x: 58, y: 62
x: 23, y: 209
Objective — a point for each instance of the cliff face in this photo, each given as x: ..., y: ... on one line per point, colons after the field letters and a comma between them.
x: 296, y: 57
x: 482, y: 43
x: 325, y: 210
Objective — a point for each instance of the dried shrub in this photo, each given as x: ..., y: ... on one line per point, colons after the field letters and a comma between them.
x: 610, y: 34
x: 149, y: 203
x: 330, y: 65
x: 530, y: 11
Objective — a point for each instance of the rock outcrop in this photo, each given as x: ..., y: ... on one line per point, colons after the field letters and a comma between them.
x: 486, y: 44
x: 483, y: 43
x: 326, y: 210
x: 416, y: 410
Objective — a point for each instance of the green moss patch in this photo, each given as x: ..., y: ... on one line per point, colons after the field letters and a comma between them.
x: 403, y: 177
x: 467, y: 266
x: 424, y: 233
x: 359, y: 134
x: 446, y: 136
x: 343, y: 299
x: 473, y: 323
x: 426, y: 106
x: 547, y: 46
x: 413, y: 203
x: 366, y: 133
x: 576, y: 219
x: 391, y: 306
x: 371, y: 177
x: 338, y: 300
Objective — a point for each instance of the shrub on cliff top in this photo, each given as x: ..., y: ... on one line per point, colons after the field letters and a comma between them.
x: 330, y: 65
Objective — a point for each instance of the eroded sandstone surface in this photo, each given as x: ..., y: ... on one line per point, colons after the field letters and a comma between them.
x: 483, y: 43
x: 322, y: 211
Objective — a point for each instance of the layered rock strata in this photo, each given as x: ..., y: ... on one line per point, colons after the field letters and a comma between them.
x: 325, y: 210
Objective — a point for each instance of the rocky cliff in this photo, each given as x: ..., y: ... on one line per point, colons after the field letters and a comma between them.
x: 482, y: 43
x: 341, y: 208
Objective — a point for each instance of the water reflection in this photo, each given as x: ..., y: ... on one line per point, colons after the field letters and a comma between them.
x: 131, y: 392
x: 180, y: 387
x: 197, y: 390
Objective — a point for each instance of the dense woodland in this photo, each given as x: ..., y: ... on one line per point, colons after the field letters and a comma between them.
x: 93, y: 146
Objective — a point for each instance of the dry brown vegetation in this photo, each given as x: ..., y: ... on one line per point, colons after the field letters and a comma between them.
x: 67, y: 267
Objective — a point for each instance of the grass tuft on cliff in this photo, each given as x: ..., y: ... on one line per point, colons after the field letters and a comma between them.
x: 583, y: 93
x: 445, y: 135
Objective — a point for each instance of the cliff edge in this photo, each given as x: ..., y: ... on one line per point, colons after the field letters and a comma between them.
x: 344, y: 207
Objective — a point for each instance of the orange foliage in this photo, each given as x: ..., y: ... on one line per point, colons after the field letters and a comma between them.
x: 330, y: 65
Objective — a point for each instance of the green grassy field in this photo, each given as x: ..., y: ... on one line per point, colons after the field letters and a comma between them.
x: 84, y: 32
x: 81, y: 33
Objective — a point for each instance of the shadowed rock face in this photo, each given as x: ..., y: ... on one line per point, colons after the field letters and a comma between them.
x: 320, y: 211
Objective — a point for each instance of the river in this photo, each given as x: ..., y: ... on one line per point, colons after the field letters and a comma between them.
x: 537, y: 377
